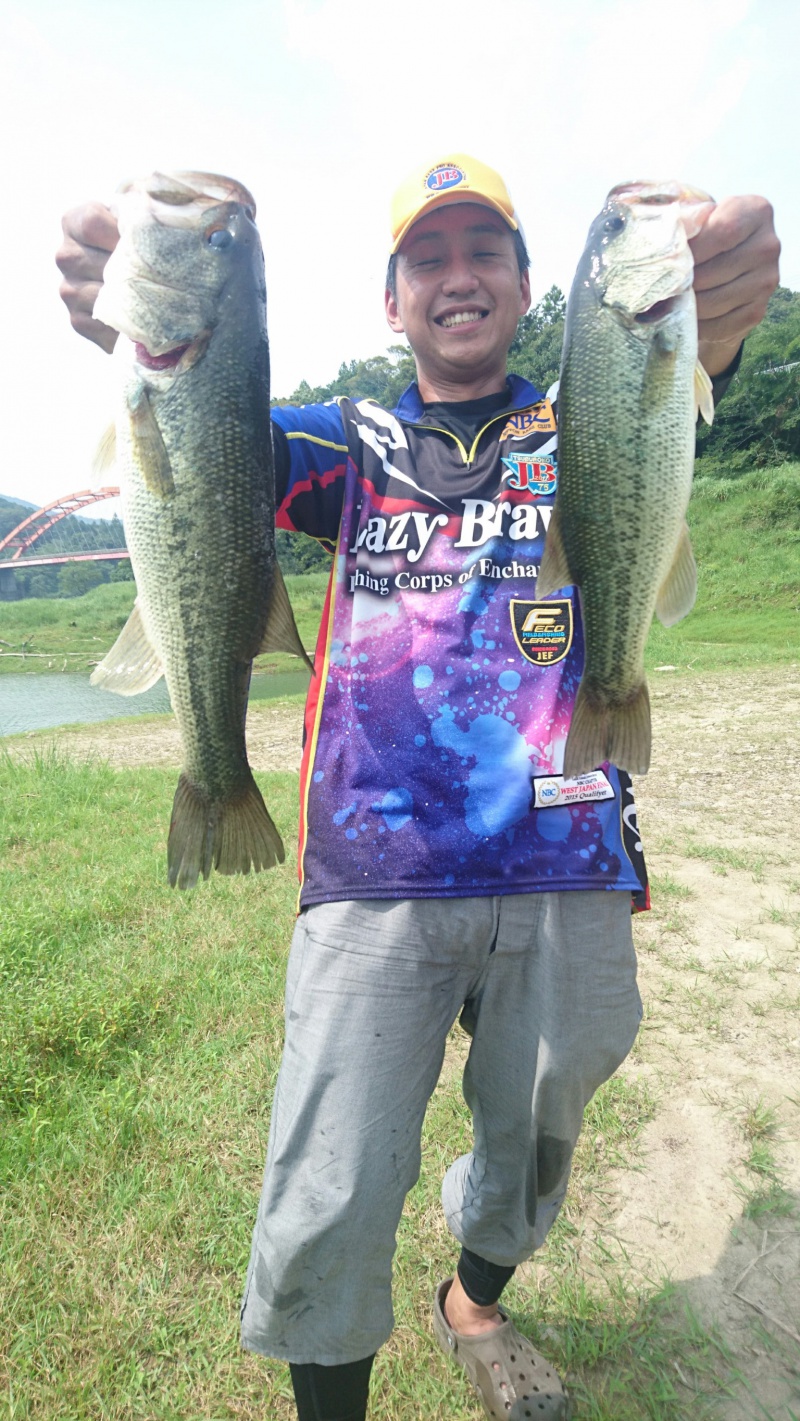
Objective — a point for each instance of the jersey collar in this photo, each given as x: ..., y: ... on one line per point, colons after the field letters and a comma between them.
x: 523, y: 394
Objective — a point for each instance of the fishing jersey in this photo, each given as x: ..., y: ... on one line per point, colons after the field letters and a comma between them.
x: 443, y: 688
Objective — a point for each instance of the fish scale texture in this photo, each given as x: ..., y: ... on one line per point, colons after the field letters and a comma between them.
x: 625, y: 464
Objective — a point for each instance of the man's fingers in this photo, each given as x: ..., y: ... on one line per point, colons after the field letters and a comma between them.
x: 736, y: 268
x: 79, y: 300
x: 732, y: 222
x: 78, y: 263
x: 90, y: 236
x: 92, y: 225
x: 104, y: 336
x: 744, y: 289
x: 733, y: 326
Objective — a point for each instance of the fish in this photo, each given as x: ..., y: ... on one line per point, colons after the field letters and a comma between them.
x: 191, y: 445
x: 629, y: 393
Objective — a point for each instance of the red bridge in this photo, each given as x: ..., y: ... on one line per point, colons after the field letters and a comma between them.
x: 19, y: 549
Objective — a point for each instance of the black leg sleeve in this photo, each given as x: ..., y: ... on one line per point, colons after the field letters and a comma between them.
x: 331, y: 1393
x: 483, y: 1282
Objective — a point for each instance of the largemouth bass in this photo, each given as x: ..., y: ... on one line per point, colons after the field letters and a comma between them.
x: 628, y: 399
x: 192, y: 446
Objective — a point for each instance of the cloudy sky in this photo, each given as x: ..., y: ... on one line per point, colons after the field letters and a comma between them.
x: 320, y: 107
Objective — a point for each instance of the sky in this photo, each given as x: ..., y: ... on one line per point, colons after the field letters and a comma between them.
x: 321, y: 107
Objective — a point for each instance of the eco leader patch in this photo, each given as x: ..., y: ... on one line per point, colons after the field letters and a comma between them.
x: 539, y: 420
x: 542, y: 630
x: 525, y: 471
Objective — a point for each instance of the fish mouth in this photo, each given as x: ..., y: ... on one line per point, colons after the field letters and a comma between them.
x: 167, y: 361
x: 659, y: 310
x: 175, y: 361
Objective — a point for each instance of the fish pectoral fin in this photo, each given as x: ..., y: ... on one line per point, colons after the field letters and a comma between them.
x: 553, y: 569
x: 131, y: 665
x: 678, y: 591
x: 280, y: 633
x: 149, y: 449
x: 105, y: 455
x: 703, y: 393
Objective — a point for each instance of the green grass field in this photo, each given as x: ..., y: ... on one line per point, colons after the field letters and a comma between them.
x: 141, y: 1032
x: 74, y: 633
x: 746, y: 539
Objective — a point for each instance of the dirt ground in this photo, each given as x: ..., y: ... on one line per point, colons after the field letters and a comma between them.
x: 713, y: 1202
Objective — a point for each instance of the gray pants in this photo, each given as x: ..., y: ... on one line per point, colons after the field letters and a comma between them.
x: 548, y: 986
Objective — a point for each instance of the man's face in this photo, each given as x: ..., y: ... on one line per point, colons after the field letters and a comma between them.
x: 459, y: 297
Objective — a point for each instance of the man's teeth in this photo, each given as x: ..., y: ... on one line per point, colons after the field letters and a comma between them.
x: 460, y: 317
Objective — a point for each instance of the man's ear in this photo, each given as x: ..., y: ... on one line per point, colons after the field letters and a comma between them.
x: 525, y: 291
x: 393, y: 313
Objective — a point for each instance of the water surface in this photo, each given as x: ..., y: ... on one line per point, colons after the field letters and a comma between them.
x: 36, y: 702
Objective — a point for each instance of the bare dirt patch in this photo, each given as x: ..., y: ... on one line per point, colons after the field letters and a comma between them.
x: 717, y: 1191
x: 714, y: 1202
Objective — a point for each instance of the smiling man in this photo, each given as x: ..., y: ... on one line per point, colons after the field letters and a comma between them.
x: 447, y: 870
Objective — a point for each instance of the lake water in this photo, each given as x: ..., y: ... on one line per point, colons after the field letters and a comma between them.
x: 36, y: 702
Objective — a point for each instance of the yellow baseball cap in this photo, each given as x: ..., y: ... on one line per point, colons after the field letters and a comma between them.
x: 458, y: 178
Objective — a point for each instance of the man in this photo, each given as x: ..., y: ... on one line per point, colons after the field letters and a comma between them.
x: 435, y: 880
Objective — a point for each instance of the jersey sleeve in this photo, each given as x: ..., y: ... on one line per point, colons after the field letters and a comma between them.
x: 311, y: 463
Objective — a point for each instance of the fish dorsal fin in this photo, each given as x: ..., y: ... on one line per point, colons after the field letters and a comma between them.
x: 280, y: 633
x: 149, y: 449
x: 553, y: 570
x: 704, y: 393
x: 131, y: 665
x: 677, y: 592
x: 105, y: 455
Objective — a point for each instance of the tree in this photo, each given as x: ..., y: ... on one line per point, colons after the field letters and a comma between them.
x: 536, y: 349
x: 76, y: 578
x: 758, y: 422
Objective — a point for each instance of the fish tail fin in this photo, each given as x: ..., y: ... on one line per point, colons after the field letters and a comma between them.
x: 231, y: 835
x: 620, y: 734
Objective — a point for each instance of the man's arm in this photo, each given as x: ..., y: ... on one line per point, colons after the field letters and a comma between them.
x: 90, y: 236
x: 736, y: 271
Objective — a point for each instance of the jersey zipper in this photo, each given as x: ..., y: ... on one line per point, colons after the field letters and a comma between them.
x: 468, y: 457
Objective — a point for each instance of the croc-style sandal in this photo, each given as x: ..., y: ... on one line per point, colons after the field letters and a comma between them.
x: 513, y: 1382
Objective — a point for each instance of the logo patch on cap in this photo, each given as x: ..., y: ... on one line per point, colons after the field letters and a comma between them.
x: 529, y: 471
x: 445, y: 176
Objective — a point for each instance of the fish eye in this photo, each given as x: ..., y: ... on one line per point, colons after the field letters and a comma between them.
x: 614, y: 224
x: 219, y: 238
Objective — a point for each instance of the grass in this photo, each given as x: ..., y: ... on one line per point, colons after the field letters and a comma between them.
x: 141, y: 1032
x: 74, y: 633
x: 746, y: 539
x: 762, y: 1191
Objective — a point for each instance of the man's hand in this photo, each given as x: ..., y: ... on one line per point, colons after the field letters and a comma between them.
x: 90, y: 236
x: 736, y: 271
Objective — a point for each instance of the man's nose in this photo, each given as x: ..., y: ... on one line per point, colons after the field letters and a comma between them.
x: 460, y: 277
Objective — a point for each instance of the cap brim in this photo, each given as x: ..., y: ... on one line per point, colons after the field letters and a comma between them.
x: 449, y: 199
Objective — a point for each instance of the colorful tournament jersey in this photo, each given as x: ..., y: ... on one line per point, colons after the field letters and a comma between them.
x: 443, y: 691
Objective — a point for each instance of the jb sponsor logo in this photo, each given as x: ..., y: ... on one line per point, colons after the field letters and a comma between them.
x: 538, y: 477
